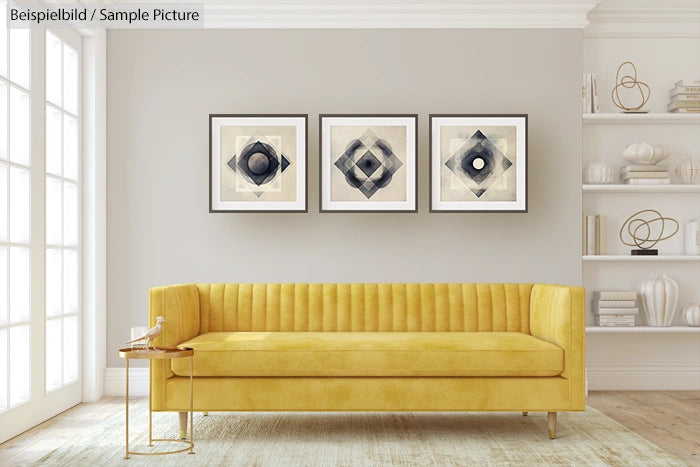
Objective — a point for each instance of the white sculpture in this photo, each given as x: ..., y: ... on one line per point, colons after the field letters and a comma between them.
x: 152, y: 333
x: 659, y: 296
x: 687, y: 170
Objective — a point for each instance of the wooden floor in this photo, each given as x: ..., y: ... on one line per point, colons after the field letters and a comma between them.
x: 669, y: 419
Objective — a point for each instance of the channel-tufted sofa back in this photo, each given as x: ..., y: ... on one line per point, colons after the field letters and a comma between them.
x: 364, y: 307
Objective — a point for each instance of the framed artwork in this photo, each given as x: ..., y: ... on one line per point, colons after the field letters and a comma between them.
x: 368, y: 163
x: 478, y: 163
x: 257, y: 163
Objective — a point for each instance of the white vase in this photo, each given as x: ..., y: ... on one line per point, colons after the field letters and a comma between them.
x: 599, y: 173
x: 659, y: 296
x: 687, y: 170
x: 691, y: 314
x: 642, y: 153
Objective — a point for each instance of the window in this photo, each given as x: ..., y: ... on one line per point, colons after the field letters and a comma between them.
x: 15, y: 208
x: 62, y: 212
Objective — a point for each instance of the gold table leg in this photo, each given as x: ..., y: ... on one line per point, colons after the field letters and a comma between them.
x: 127, y: 409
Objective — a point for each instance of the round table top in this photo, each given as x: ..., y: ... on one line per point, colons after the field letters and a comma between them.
x: 156, y: 353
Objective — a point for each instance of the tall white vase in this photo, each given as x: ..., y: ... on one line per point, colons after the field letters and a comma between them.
x: 659, y: 296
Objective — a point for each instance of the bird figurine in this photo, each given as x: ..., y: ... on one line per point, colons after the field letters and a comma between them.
x: 152, y: 333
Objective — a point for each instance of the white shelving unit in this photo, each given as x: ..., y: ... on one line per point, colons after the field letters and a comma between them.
x: 641, y: 258
x: 641, y: 119
x: 619, y: 188
x: 643, y: 329
x: 652, y: 37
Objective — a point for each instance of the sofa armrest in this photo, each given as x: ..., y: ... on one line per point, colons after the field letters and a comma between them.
x: 557, y: 315
x: 179, y: 305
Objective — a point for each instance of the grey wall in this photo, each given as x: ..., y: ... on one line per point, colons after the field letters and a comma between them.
x: 163, y: 84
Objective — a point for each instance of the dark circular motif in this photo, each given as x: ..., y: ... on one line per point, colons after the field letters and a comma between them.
x: 258, y: 163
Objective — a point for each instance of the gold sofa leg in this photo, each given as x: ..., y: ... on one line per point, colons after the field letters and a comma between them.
x: 206, y: 414
x: 525, y: 414
x: 552, y: 424
x: 183, y: 425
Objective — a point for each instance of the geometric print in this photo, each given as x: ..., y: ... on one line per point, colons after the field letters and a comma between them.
x: 368, y: 163
x: 478, y: 163
x: 258, y: 164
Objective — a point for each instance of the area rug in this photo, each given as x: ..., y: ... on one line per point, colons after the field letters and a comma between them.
x: 349, y: 439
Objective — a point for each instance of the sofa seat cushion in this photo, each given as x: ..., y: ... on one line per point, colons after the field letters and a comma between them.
x: 370, y: 354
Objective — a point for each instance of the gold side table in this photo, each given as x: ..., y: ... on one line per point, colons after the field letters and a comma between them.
x: 158, y: 353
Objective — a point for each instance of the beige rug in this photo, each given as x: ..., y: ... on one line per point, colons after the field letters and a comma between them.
x: 85, y: 437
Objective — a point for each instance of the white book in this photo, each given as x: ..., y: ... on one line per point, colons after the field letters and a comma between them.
x: 614, y: 325
x: 628, y: 175
x: 684, y: 90
x: 589, y: 93
x: 584, y: 235
x: 583, y: 95
x: 603, y: 234
x: 614, y: 295
x: 648, y: 181
x: 616, y: 303
x: 644, y: 168
x: 685, y: 111
x: 594, y: 85
x: 686, y: 98
x: 615, y: 311
x: 590, y: 235
x: 687, y: 82
x: 612, y: 318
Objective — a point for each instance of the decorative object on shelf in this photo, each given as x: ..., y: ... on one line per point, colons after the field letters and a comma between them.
x: 589, y: 94
x: 643, y: 153
x: 595, y: 236
x: 599, y: 173
x: 614, y: 308
x: 478, y: 163
x: 151, y: 334
x: 257, y: 163
x: 629, y: 81
x: 692, y: 237
x: 687, y: 170
x: 685, y: 96
x: 659, y: 295
x: 691, y: 314
x: 645, y: 231
x: 641, y: 174
x: 368, y: 163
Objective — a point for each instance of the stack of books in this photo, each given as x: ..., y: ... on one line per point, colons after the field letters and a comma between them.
x: 639, y: 174
x: 614, y: 308
x: 595, y: 235
x: 685, y: 96
x: 589, y: 94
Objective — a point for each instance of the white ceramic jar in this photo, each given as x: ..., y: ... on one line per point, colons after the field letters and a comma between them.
x: 691, y: 314
x: 659, y: 296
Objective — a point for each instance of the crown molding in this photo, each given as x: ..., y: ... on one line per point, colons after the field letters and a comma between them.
x: 644, y: 18
x: 390, y: 14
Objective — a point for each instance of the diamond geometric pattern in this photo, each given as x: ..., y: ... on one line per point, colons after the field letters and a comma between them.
x: 478, y: 163
x: 368, y: 163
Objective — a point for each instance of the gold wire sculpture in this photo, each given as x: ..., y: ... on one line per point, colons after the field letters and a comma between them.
x: 633, y: 224
x: 629, y: 81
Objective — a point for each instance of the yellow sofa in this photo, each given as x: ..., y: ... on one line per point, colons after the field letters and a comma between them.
x: 372, y: 347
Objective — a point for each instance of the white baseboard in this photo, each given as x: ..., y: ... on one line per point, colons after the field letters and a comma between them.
x: 601, y: 376
x: 115, y: 382
x: 644, y: 376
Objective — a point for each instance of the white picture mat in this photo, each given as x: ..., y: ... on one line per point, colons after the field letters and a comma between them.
x: 521, y: 153
x: 326, y: 164
x: 218, y: 204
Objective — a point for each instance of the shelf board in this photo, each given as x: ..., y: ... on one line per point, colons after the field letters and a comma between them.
x: 648, y: 118
x: 642, y: 330
x: 641, y: 258
x: 620, y: 188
